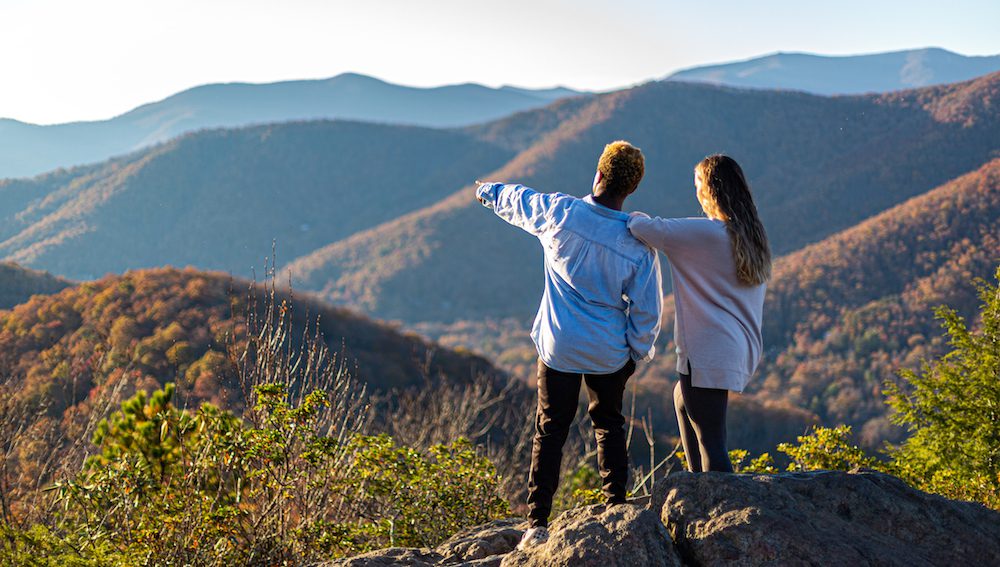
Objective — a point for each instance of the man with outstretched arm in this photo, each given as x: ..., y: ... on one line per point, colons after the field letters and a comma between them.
x: 599, y: 314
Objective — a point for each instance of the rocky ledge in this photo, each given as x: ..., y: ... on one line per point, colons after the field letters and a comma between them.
x: 816, y: 518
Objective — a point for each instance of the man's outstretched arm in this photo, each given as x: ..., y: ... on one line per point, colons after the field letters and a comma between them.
x: 645, y: 298
x: 521, y: 206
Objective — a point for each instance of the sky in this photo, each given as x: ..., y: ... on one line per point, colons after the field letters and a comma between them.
x: 66, y: 60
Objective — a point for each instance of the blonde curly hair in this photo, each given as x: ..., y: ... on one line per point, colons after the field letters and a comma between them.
x: 622, y: 166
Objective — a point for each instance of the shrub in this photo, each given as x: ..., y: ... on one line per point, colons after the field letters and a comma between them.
x: 205, y: 488
x: 826, y: 448
x: 403, y: 497
x: 579, y: 487
x: 952, y: 410
x: 762, y: 464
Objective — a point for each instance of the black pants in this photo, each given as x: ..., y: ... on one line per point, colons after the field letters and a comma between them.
x: 558, y: 396
x: 701, y: 417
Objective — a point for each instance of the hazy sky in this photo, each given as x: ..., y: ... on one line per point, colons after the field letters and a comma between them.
x: 63, y: 60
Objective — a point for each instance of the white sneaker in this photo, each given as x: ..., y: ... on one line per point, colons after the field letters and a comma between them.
x: 533, y: 537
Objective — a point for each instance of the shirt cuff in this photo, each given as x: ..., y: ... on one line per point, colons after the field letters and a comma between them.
x: 487, y: 193
x: 648, y: 357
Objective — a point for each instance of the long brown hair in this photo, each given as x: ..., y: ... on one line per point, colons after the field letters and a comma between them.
x: 725, y: 194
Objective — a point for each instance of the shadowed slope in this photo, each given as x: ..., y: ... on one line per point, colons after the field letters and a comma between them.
x: 18, y: 284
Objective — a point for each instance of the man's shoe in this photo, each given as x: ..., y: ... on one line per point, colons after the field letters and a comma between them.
x: 533, y: 537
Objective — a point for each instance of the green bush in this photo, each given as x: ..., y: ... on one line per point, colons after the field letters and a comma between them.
x: 158, y: 491
x: 763, y: 464
x: 171, y: 487
x: 952, y: 410
x: 404, y: 497
x: 826, y: 448
x: 38, y: 546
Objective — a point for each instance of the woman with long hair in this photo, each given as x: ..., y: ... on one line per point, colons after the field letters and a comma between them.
x: 719, y: 266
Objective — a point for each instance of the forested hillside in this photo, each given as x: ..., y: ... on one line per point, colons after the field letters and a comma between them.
x: 843, y: 315
x: 817, y: 165
x: 70, y: 357
x: 170, y: 325
x: 218, y: 199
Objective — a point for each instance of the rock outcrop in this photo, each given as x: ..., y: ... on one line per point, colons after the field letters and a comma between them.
x: 816, y: 518
x: 823, y: 518
x: 625, y: 535
x: 482, y: 546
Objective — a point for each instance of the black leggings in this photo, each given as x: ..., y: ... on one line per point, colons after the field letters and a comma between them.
x: 701, y: 417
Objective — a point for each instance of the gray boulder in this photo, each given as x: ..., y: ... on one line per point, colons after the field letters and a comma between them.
x: 625, y: 535
x: 822, y: 518
x: 482, y: 545
x: 404, y: 556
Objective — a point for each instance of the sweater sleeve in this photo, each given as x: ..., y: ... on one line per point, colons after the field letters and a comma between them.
x: 669, y: 235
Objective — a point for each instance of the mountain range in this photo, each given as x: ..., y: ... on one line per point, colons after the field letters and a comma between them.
x: 381, y: 217
x: 880, y: 206
x: 849, y: 74
x: 817, y: 165
x: 31, y: 149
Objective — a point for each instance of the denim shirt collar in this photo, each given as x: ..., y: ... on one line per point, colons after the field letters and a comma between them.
x: 604, y: 211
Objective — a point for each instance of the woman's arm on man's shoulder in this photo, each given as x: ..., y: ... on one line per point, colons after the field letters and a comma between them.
x: 668, y: 234
x: 648, y: 230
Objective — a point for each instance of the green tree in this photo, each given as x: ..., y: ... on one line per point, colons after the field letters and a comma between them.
x: 148, y: 428
x: 158, y: 488
x: 952, y: 409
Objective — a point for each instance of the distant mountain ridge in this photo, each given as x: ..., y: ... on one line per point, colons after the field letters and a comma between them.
x: 850, y: 74
x: 29, y: 149
x: 376, y: 217
x: 818, y: 165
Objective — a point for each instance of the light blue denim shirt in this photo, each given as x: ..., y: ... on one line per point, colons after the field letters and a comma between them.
x: 603, y: 297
